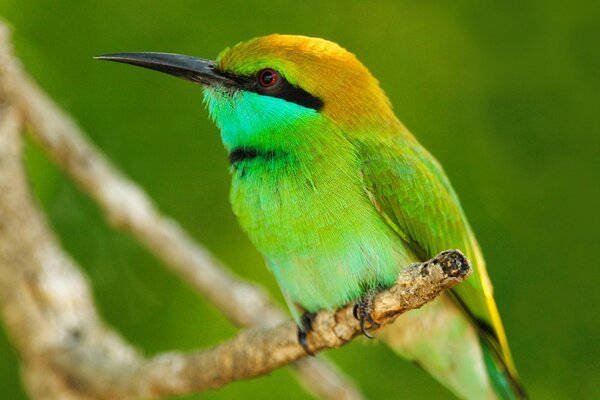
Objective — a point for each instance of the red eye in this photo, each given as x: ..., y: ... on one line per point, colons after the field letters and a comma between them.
x: 268, y: 77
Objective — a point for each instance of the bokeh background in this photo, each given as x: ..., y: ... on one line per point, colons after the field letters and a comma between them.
x: 505, y: 94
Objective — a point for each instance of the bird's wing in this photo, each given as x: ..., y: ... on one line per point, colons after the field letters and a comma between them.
x: 412, y: 193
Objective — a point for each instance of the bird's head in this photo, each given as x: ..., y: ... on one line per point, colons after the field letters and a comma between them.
x: 262, y: 90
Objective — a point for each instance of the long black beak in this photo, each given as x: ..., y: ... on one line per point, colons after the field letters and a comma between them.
x: 191, y: 68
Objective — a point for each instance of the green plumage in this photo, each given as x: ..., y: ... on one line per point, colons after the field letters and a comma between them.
x: 338, y: 202
x: 339, y: 196
x: 305, y: 205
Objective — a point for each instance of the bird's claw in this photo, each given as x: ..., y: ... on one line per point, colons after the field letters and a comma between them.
x: 304, y: 329
x: 362, y: 312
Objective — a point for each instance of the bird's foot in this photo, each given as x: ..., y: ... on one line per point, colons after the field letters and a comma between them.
x: 306, y: 322
x: 362, y: 312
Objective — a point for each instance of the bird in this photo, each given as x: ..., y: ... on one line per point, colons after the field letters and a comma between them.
x: 339, y: 196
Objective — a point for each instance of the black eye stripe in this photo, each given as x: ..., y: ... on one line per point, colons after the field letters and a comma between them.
x: 286, y: 91
x: 283, y: 90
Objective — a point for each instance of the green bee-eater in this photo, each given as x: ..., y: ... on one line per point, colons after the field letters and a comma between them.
x: 339, y: 196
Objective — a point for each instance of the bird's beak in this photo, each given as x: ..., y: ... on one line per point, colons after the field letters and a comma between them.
x: 191, y: 68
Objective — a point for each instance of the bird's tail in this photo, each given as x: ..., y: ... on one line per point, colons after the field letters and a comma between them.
x: 505, y: 381
x: 444, y: 342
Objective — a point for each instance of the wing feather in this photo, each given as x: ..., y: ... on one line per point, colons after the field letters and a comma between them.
x: 412, y: 193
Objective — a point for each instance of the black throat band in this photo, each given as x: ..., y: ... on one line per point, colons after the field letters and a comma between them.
x: 244, y: 154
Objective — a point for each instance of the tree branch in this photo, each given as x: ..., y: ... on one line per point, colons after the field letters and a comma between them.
x: 260, y: 350
x: 47, y: 306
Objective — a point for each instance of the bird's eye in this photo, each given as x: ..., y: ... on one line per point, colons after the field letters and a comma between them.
x: 268, y: 77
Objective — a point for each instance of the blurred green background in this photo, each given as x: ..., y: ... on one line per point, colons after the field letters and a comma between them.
x: 505, y: 94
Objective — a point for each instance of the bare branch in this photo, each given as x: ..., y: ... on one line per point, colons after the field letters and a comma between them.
x: 129, y: 208
x: 257, y: 351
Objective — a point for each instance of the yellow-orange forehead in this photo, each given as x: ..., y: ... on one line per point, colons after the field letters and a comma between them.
x: 300, y: 59
x: 279, y: 44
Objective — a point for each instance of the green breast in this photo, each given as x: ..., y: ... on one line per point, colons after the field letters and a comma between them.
x: 308, y: 213
x: 299, y: 195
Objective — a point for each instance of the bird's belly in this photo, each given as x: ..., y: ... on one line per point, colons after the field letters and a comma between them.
x: 324, y: 241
